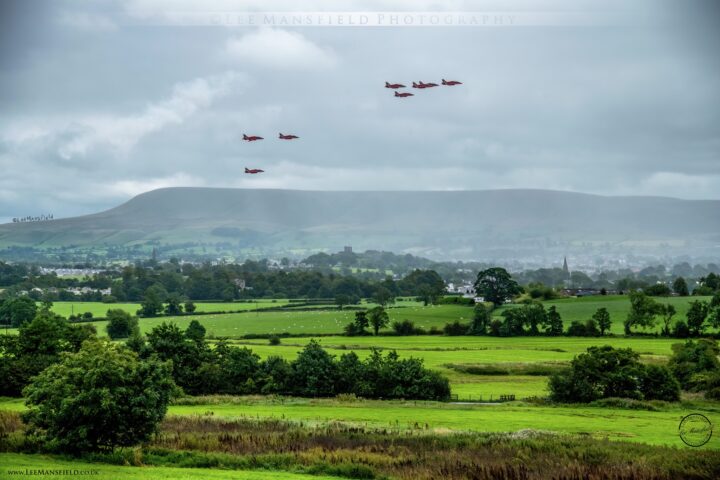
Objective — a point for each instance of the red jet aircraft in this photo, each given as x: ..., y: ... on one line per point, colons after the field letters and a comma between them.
x: 450, y: 83
x: 394, y: 85
x: 404, y: 94
x: 251, y: 138
x: 288, y: 137
x: 428, y: 85
x: 421, y: 85
x: 253, y: 171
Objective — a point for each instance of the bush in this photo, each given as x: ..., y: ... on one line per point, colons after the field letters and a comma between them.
x: 455, y: 328
x: 99, y: 398
x: 17, y: 311
x: 659, y: 384
x: 406, y: 327
x: 314, y: 372
x: 694, y: 358
x: 456, y: 300
x: 681, y: 329
x: 120, y: 324
x: 605, y: 372
x: 274, y: 340
x: 587, y: 329
x: 658, y: 290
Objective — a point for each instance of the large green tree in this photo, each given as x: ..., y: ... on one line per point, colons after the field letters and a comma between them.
x: 18, y: 310
x: 643, y: 311
x: 496, y: 285
x: 99, y: 398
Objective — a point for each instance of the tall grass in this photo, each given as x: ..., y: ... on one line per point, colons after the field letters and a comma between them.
x: 367, y: 453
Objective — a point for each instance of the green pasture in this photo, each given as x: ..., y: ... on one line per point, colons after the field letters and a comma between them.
x: 299, y: 321
x: 11, y: 462
x: 617, y: 305
x: 314, y: 320
x: 99, y: 309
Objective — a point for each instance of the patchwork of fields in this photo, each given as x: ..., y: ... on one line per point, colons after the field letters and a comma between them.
x: 480, y: 370
x: 319, y: 319
x: 441, y: 353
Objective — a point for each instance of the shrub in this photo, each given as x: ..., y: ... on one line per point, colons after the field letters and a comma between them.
x: 406, y: 327
x: 659, y: 384
x: 681, y: 330
x: 120, y: 323
x: 658, y: 290
x: 274, y: 340
x: 605, y: 372
x: 314, y: 372
x: 17, y: 311
x: 692, y: 358
x: 455, y: 328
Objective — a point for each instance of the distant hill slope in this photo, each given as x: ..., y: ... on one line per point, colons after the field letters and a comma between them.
x: 448, y: 224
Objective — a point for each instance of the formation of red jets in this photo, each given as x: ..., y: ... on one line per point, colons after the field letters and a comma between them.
x: 255, y: 138
x: 419, y: 85
x: 394, y: 86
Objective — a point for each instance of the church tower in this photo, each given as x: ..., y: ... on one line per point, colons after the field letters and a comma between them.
x: 566, y: 270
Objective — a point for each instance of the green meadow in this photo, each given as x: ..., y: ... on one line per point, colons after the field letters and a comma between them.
x: 656, y: 427
x: 326, y: 319
x: 99, y: 309
x: 13, y: 462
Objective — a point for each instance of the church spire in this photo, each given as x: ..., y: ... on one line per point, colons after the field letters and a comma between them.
x: 566, y: 270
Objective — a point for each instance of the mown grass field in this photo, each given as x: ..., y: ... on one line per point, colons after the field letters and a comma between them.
x: 12, y: 462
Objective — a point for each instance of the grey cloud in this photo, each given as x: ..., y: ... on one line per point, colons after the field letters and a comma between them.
x: 630, y: 109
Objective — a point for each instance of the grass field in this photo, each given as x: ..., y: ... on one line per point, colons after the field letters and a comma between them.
x: 332, y: 321
x: 298, y: 322
x: 99, y: 309
x: 617, y: 305
x: 659, y: 428
x: 14, y: 462
x: 651, y: 427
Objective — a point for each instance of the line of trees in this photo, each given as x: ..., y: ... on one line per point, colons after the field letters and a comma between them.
x: 606, y: 372
x: 226, y: 369
x: 645, y: 312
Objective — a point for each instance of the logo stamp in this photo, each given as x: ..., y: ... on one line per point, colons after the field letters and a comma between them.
x: 695, y: 430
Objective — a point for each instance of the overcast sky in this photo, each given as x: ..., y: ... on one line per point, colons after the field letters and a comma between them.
x: 101, y: 101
